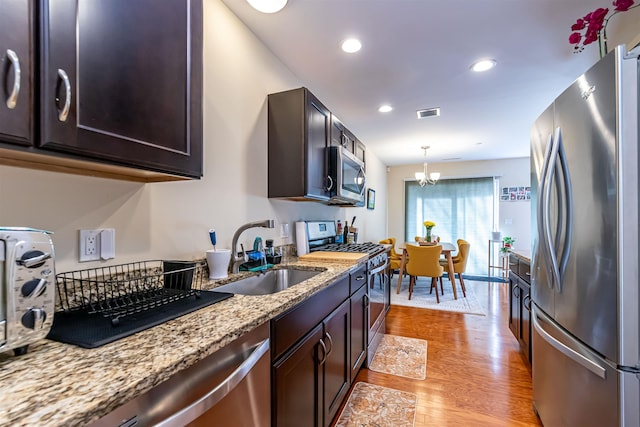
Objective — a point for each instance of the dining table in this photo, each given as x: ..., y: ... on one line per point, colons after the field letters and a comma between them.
x: 447, y: 248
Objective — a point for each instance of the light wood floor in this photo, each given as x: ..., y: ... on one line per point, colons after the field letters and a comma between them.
x: 475, y: 373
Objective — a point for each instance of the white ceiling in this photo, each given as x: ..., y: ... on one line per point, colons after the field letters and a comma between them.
x: 416, y: 54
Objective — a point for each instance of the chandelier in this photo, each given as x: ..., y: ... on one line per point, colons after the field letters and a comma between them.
x: 425, y: 177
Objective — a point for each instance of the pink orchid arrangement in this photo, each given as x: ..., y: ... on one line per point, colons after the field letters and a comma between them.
x: 593, y: 26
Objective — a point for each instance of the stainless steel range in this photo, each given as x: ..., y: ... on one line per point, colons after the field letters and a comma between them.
x: 315, y: 236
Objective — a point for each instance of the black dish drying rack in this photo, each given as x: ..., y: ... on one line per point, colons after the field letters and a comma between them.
x: 123, y: 290
x: 100, y: 305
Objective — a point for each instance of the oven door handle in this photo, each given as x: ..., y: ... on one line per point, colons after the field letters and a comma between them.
x: 206, y: 402
x: 379, y: 268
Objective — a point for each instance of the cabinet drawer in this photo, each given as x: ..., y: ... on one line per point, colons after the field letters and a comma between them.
x: 292, y: 325
x: 513, y: 263
x: 358, y: 278
x: 524, y: 271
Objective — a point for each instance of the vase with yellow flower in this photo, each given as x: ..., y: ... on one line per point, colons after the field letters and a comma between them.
x: 429, y: 226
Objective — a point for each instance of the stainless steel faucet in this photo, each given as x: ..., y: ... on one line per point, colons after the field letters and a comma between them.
x: 236, y: 260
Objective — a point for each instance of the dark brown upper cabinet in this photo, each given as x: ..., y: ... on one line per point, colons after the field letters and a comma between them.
x: 121, y: 80
x: 102, y: 88
x: 298, y: 137
x: 16, y: 72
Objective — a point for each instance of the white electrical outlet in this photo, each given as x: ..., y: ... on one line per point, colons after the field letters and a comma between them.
x: 89, y: 245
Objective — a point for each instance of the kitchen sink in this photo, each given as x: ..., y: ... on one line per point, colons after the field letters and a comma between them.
x: 271, y: 282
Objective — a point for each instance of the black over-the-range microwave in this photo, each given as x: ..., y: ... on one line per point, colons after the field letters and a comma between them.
x: 347, y: 179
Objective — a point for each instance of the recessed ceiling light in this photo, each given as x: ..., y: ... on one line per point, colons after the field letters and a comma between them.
x: 351, y: 45
x: 267, y: 6
x: 483, y: 65
x: 385, y: 108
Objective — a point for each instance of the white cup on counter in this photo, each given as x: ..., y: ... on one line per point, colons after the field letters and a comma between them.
x: 218, y: 262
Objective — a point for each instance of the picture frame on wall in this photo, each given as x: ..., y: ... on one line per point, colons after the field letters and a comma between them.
x: 371, y: 199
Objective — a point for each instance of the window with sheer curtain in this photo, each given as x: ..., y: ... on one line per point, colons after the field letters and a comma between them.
x: 461, y: 209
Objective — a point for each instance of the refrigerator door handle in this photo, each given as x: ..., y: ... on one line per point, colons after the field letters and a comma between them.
x: 541, y: 206
x: 569, y: 352
x: 551, y: 168
x: 568, y: 229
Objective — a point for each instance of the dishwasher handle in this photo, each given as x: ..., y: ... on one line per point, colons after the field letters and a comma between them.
x: 197, y: 408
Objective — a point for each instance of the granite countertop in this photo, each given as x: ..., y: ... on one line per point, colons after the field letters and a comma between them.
x: 57, y: 384
x: 524, y: 254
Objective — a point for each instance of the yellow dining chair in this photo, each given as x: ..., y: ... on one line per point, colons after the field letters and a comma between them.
x: 395, y: 259
x: 424, y: 261
x: 459, y: 262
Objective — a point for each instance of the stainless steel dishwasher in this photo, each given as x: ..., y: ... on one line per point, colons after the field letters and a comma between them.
x: 231, y: 387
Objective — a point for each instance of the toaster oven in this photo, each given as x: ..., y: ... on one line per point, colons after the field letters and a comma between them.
x: 27, y: 293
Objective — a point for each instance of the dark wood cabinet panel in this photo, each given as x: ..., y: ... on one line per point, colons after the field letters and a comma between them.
x: 520, y: 304
x: 359, y: 150
x: 336, y: 368
x: 16, y: 72
x: 358, y: 278
x: 317, y: 348
x: 297, y: 384
x: 340, y: 135
x: 359, y: 330
x: 525, y: 320
x: 122, y: 81
x: 298, y: 128
x: 515, y: 305
x: 292, y: 325
x: 318, y: 118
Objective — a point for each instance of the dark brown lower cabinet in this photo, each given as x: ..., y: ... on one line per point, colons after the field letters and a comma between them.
x: 312, y: 379
x: 298, y: 383
x: 336, y: 369
x: 317, y: 348
x: 359, y: 329
x: 520, y: 306
x: 515, y: 304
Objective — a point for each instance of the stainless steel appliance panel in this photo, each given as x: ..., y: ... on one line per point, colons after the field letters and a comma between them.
x: 580, y: 207
x: 231, y: 387
x: 27, y: 285
x: 586, y: 343
x: 542, y: 290
x: 572, y: 385
x: 585, y: 127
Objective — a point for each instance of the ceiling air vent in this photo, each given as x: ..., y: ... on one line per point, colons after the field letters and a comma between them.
x: 429, y: 112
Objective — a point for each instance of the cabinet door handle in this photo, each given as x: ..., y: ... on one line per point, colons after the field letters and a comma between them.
x: 527, y: 302
x: 330, y: 342
x: 324, y: 353
x: 516, y: 288
x: 330, y: 180
x: 365, y: 300
x: 64, y: 112
x: 12, y: 100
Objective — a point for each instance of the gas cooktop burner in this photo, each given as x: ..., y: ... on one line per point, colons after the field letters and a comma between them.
x: 367, y: 247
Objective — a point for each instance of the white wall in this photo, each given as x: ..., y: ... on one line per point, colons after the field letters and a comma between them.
x: 171, y: 220
x: 512, y: 172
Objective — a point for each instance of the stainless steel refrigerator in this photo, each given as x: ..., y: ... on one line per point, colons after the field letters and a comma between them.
x: 584, y: 178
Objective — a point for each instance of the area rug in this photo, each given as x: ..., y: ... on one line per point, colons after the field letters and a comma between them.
x: 421, y: 297
x: 376, y: 406
x: 402, y: 356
